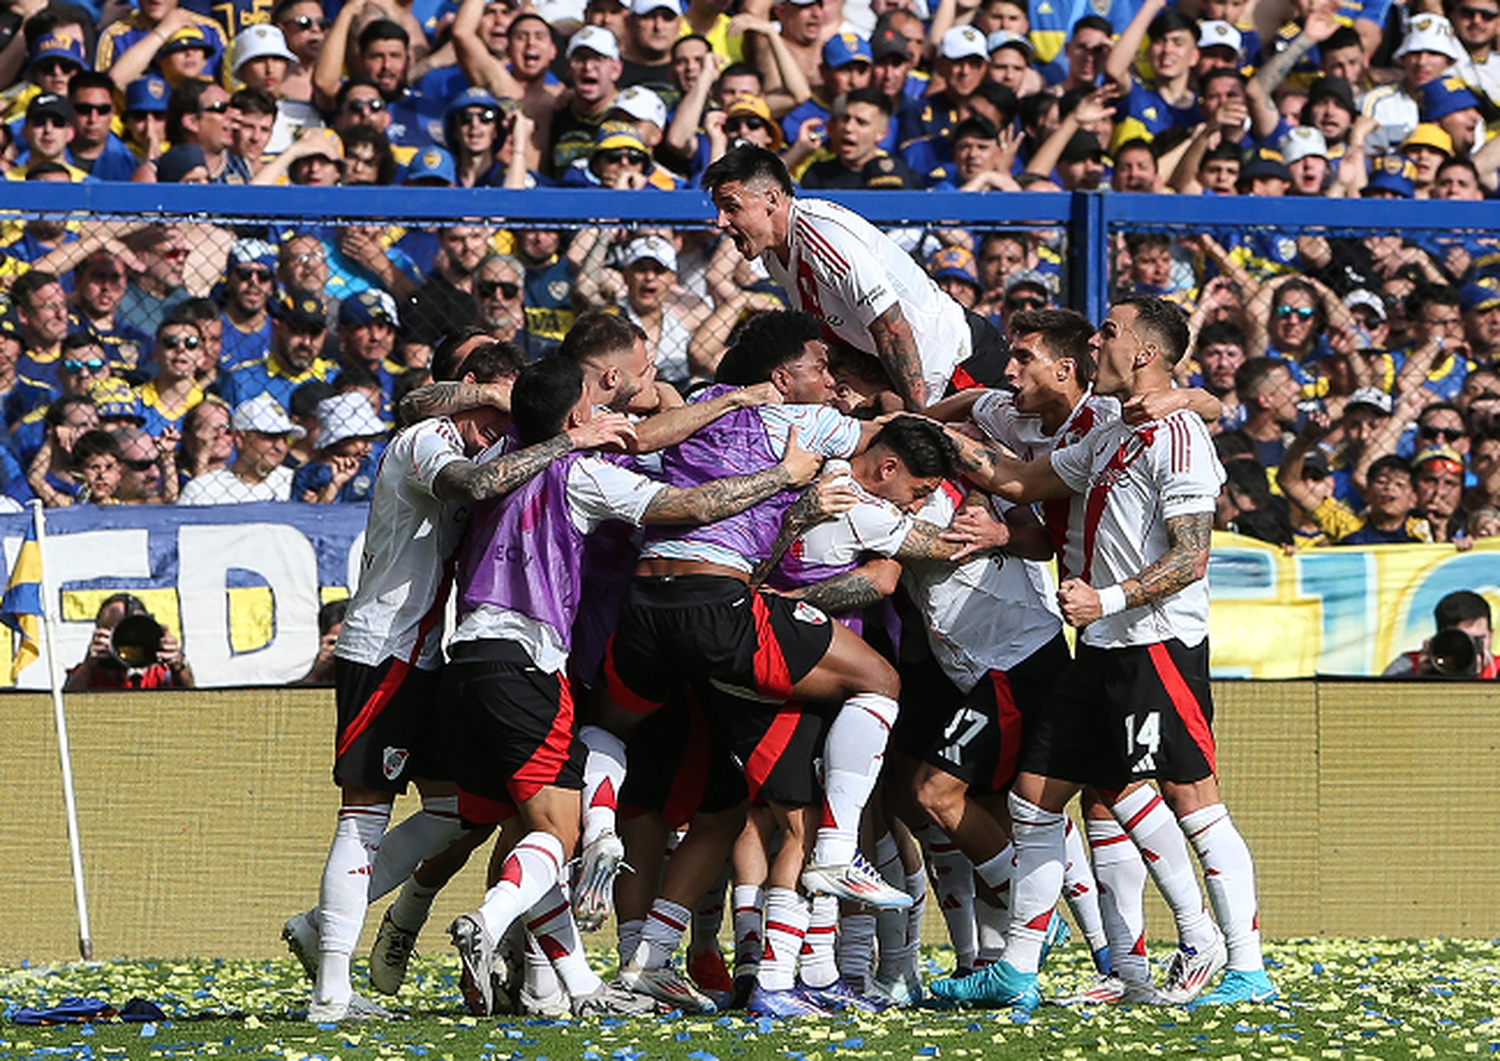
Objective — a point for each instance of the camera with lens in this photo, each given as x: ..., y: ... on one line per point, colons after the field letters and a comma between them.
x: 135, y: 642
x: 1454, y: 653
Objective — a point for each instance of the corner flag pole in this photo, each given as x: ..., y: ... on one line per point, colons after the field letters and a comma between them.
x: 64, y: 755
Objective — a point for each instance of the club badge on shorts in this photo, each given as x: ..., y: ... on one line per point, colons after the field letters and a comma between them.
x: 393, y: 761
x: 808, y: 613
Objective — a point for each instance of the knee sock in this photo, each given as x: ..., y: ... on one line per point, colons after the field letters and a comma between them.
x: 916, y: 887
x: 853, y: 753
x: 541, y: 977
x: 412, y: 905
x: 344, y: 896
x: 1041, y: 850
x: 748, y: 899
x: 1082, y: 891
x: 1121, y: 873
x: 953, y: 887
x: 603, y: 775
x: 1145, y: 816
x: 419, y: 836
x: 551, y: 923
x: 1230, y: 874
x: 819, y: 969
x: 856, y: 946
x: 992, y: 917
x: 529, y: 872
x: 628, y: 935
x: 708, y: 916
x: 787, y: 916
x: 661, y: 934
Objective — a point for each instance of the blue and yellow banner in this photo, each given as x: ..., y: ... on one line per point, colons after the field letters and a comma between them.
x: 21, y: 609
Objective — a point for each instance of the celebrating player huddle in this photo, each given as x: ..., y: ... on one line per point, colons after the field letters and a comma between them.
x: 753, y: 643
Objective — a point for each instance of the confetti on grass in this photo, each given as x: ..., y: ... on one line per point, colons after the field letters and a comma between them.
x: 1341, y: 1000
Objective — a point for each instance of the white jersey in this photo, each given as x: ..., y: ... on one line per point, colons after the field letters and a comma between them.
x: 982, y: 614
x: 847, y: 272
x: 995, y: 414
x: 874, y: 525
x: 409, y: 539
x: 598, y: 491
x: 1134, y: 479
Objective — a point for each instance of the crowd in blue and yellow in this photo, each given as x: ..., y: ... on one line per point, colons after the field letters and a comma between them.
x: 206, y: 362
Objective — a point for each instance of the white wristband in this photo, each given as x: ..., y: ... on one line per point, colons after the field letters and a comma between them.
x: 1111, y: 600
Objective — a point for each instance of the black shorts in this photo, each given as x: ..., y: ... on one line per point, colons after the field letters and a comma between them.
x: 512, y: 731
x: 928, y: 700
x: 388, y: 725
x: 1128, y: 714
x: 985, y: 366
x: 679, y: 766
x: 778, y: 746
x: 680, y: 631
x: 983, y: 741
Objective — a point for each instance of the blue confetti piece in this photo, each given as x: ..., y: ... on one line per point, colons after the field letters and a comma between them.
x: 702, y: 1055
x: 148, y: 1030
x: 927, y: 1051
x: 1317, y: 968
x: 682, y: 1037
x: 763, y: 1025
x: 853, y: 1044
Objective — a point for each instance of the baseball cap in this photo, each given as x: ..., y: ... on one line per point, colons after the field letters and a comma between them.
x: 187, y: 38
x: 431, y: 164
x: 1445, y: 96
x: 10, y: 324
x: 148, y: 94
x: 1431, y: 33
x: 1335, y: 88
x: 961, y: 42
x: 251, y: 252
x: 49, y: 105
x: 954, y: 263
x: 1482, y: 294
x: 1446, y: 456
x: 347, y: 415
x: 60, y: 46
x: 1265, y: 162
x: 258, y: 42
x: 889, y: 42
x: 1429, y: 134
x: 1395, y: 174
x: 116, y: 401
x: 846, y: 48
x: 618, y: 134
x: 299, y: 307
x: 1004, y: 38
x: 1028, y: 278
x: 1303, y: 141
x: 748, y: 104
x: 1216, y: 33
x: 595, y: 39
x: 645, y: 7
x: 1373, y: 398
x: 264, y: 415
x: 1363, y: 296
x: 470, y: 97
x: 1083, y: 145
x: 650, y: 248
x: 370, y: 306
x: 1315, y: 464
x: 641, y: 104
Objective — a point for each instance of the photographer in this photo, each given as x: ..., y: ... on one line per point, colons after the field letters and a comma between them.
x: 160, y: 664
x: 1461, y: 612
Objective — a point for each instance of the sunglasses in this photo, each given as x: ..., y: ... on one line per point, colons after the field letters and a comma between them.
x: 508, y: 289
x: 145, y: 464
x: 1447, y: 434
x: 365, y: 106
x: 52, y: 67
x: 307, y: 22
x: 754, y: 124
x: 624, y: 154
x: 260, y: 275
x: 47, y: 121
x: 1026, y: 303
x: 99, y: 109
x: 1305, y: 312
x: 482, y: 115
x: 221, y: 107
x: 93, y: 364
x: 181, y: 342
x: 1484, y: 14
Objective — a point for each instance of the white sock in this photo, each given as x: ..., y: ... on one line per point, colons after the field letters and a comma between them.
x: 708, y: 916
x: 953, y: 886
x: 419, y: 836
x: 787, y: 916
x: 661, y: 934
x: 993, y: 921
x: 603, y: 776
x: 1082, y: 891
x: 1150, y: 823
x: 413, y: 904
x: 528, y: 873
x: 344, y: 896
x: 628, y: 938
x: 1121, y: 873
x: 541, y: 977
x: 853, y: 753
x: 551, y: 923
x: 1041, y: 850
x: 1229, y: 873
x: 748, y: 899
x: 819, y: 969
x: 856, y: 946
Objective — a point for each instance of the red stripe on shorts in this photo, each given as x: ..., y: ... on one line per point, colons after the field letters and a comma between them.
x: 771, y: 747
x: 1009, y: 717
x: 548, y: 760
x: 481, y: 810
x: 1188, y: 708
x: 378, y: 701
x: 621, y: 693
x: 692, y: 775
x: 772, y: 678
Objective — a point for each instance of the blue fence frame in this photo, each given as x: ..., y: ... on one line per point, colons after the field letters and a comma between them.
x: 1088, y: 217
